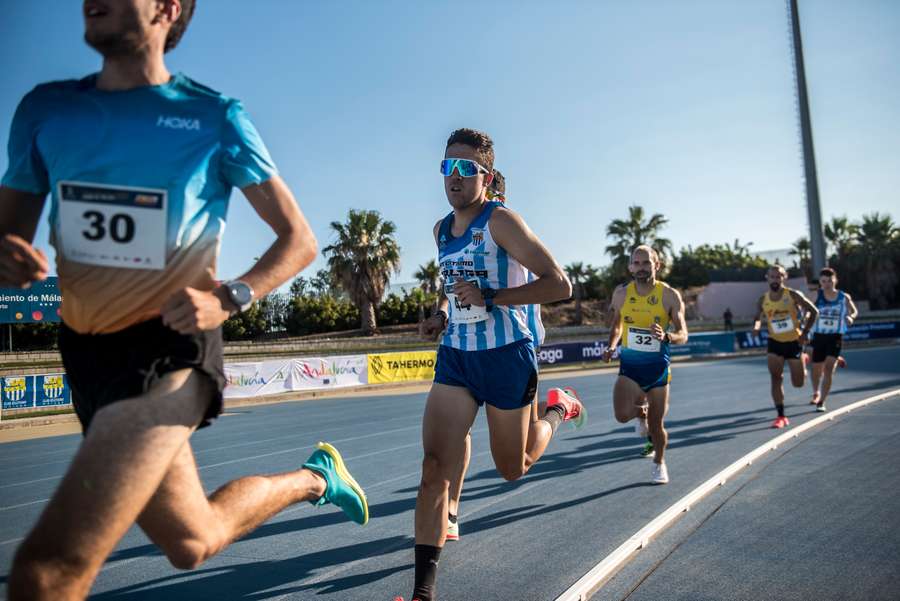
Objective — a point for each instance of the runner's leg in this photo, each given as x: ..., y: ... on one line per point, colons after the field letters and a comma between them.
x: 817, y: 369
x: 61, y: 556
x: 190, y: 528
x: 776, y: 371
x: 798, y: 372
x: 456, y: 482
x: 658, y: 401
x: 828, y: 368
x: 628, y: 399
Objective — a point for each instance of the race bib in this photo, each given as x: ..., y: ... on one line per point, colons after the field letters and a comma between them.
x: 784, y: 325
x: 113, y: 226
x: 642, y: 340
x: 460, y: 313
x: 829, y: 323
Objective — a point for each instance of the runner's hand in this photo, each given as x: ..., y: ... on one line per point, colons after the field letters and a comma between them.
x: 432, y: 327
x: 657, y: 332
x: 190, y: 311
x: 608, y: 353
x: 468, y: 293
x: 20, y: 263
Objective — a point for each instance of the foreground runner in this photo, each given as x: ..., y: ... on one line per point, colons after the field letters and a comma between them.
x: 487, y: 353
x: 836, y: 313
x: 496, y: 191
x: 781, y: 306
x: 141, y: 164
x: 640, y: 316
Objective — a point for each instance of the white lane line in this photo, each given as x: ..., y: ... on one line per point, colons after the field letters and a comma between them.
x: 23, y: 504
x: 11, y: 541
x: 591, y: 582
x: 30, y: 481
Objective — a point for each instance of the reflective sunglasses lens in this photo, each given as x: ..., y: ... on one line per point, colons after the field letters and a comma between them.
x: 447, y: 167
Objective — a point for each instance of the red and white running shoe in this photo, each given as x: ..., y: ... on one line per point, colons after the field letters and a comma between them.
x: 567, y: 398
x: 781, y: 422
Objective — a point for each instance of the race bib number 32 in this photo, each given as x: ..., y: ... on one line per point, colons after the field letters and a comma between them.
x: 642, y: 340
x: 113, y: 226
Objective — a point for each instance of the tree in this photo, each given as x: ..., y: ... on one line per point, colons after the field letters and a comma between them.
x: 879, y: 239
x: 301, y: 286
x: 634, y: 231
x: 579, y: 274
x: 841, y: 234
x: 802, y: 249
x: 718, y: 262
x: 361, y: 260
x: 429, y: 276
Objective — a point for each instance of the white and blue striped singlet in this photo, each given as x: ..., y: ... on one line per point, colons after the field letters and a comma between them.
x: 476, y: 257
x: 832, y: 314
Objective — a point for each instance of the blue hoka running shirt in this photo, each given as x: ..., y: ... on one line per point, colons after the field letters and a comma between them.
x: 140, y: 181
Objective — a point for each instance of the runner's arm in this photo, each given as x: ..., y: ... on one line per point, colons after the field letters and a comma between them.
x: 757, y: 320
x: 512, y: 233
x: 20, y: 262
x: 854, y: 312
x: 679, y: 332
x: 295, y: 246
x: 812, y: 312
x: 614, y: 319
x: 432, y: 327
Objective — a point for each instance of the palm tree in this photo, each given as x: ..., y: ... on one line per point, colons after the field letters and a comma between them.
x: 578, y: 274
x: 841, y: 234
x: 879, y: 238
x: 802, y: 249
x: 362, y: 259
x: 631, y: 232
x: 429, y: 276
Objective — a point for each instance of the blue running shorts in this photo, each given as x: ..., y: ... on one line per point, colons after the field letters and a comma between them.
x: 504, y: 377
x: 647, y: 375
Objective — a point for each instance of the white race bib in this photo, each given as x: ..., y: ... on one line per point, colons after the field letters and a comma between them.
x: 464, y: 313
x: 829, y: 323
x: 642, y: 340
x: 113, y: 226
x: 783, y: 325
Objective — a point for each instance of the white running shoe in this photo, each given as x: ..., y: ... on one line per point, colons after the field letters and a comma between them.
x: 660, y: 474
x: 821, y: 408
x: 641, y: 428
x: 452, y: 530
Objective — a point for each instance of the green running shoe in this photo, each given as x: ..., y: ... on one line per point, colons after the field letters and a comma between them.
x: 340, y: 487
x: 648, y: 451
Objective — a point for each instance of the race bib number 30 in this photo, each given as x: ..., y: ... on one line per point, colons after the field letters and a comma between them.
x: 642, y: 340
x: 113, y: 226
x: 783, y: 325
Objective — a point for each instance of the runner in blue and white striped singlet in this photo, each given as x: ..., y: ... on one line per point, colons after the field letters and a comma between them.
x: 836, y: 313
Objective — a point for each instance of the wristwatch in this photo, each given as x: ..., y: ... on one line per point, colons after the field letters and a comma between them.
x: 488, y: 294
x: 240, y: 294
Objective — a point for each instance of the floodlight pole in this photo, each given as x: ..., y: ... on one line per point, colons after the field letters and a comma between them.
x: 816, y: 238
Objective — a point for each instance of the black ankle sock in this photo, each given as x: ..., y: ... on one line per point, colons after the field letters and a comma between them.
x: 780, y: 409
x: 426, y: 571
x: 554, y: 416
x: 452, y: 517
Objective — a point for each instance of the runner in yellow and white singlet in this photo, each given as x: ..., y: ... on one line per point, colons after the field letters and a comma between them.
x: 641, y: 313
x: 787, y: 334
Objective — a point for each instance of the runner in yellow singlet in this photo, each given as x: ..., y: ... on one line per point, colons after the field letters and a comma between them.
x: 787, y: 333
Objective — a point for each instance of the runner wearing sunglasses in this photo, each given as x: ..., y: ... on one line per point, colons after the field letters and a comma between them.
x: 486, y: 355
x: 497, y: 192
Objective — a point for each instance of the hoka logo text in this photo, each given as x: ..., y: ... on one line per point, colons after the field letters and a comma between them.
x: 173, y: 122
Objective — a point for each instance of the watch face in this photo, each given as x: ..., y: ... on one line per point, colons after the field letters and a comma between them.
x: 240, y: 293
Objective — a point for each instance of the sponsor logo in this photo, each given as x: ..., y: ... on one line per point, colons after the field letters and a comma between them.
x: 442, y: 242
x: 477, y: 236
x: 175, y: 122
x: 254, y: 380
x: 593, y: 352
x: 652, y: 300
x: 550, y: 355
x: 410, y: 364
x: 14, y: 389
x: 325, y: 371
x: 632, y: 300
x: 53, y: 387
x: 628, y: 319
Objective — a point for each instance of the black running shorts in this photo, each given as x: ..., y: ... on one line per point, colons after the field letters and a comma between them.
x: 788, y: 350
x: 105, y: 368
x: 826, y: 345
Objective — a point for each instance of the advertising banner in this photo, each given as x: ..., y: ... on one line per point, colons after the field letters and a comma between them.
x: 705, y: 344
x: 291, y: 375
x: 860, y: 331
x: 571, y: 352
x: 40, y: 303
x: 401, y: 367
x: 51, y: 391
x: 17, y: 392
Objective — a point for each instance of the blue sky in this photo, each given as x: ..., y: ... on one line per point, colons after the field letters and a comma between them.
x: 686, y: 108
